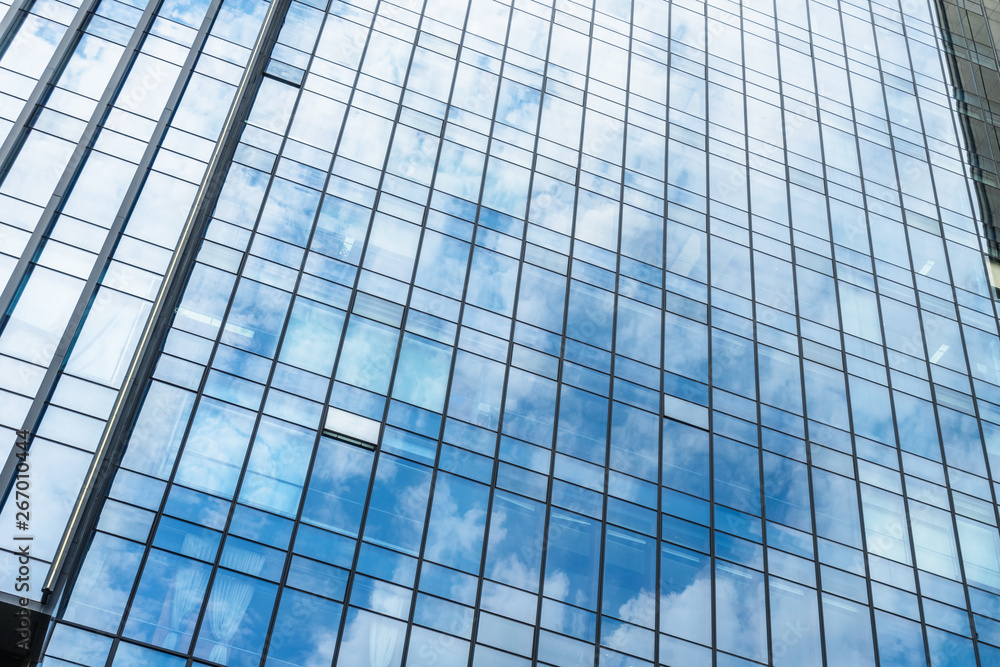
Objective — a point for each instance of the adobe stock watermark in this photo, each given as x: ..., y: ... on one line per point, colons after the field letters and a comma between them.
x: 22, y: 521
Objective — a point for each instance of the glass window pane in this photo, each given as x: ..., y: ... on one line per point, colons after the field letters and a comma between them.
x: 422, y: 373
x: 338, y: 486
x: 103, y: 350
x: 215, y: 448
x: 277, y: 467
x: 514, y: 552
x: 398, y: 506
x: 795, y: 636
x: 368, y: 354
x: 572, y: 561
x: 848, y: 633
x: 103, y: 585
x: 305, y: 631
x: 312, y: 337
x: 458, y: 519
x: 236, y: 619
x: 167, y: 601
x: 741, y: 616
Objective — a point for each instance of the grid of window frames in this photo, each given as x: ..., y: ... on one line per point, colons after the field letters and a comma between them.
x: 94, y: 200
x: 668, y: 321
x: 971, y: 30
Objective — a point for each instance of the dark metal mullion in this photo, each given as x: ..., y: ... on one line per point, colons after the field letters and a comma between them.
x: 753, y: 334
x: 376, y: 457
x: 614, y: 352
x: 818, y: 592
x: 395, y: 366
x: 267, y: 34
x: 200, y: 393
x: 712, y: 561
x: 9, y: 149
x: 542, y: 539
x: 989, y: 474
x: 945, y: 35
x: 12, y: 21
x: 451, y: 366
x: 132, y: 397
x: 944, y: 465
x: 348, y: 316
x: 843, y: 351
x: 477, y: 610
x: 74, y: 167
x: 267, y: 387
x: 297, y: 520
x: 607, y: 434
x: 753, y: 337
x: 444, y: 410
x: 892, y: 401
x: 93, y: 284
x: 423, y: 221
x: 408, y: 631
x: 814, y: 538
x: 485, y: 165
x: 768, y: 629
x: 661, y: 418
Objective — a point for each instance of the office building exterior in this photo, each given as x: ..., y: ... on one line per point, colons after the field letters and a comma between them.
x: 431, y: 332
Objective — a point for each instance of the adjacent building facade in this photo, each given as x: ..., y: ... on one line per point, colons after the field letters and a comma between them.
x: 381, y: 333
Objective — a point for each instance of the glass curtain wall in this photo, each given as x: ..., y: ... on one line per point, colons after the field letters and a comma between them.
x: 548, y: 333
x: 102, y: 166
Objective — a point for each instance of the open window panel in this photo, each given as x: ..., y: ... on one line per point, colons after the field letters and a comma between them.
x: 994, y: 271
x: 351, y: 428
